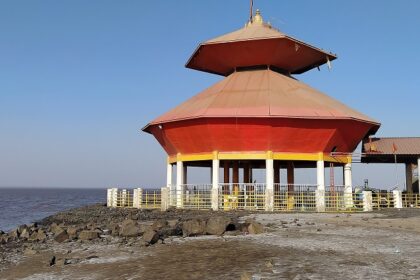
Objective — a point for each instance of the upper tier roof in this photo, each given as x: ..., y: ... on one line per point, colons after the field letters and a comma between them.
x: 262, y: 93
x: 257, y: 44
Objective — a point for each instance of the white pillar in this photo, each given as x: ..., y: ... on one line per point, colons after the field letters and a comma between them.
x: 269, y: 188
x: 348, y: 186
x: 114, y: 197
x: 215, y: 185
x: 320, y: 192
x: 397, y: 195
x: 164, y: 199
x: 367, y: 201
x: 137, y: 198
x: 109, y: 198
x: 124, y: 198
x: 169, y: 183
x: 179, y: 183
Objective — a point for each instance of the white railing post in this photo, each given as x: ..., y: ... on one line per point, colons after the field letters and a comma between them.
x: 179, y: 184
x: 164, y: 199
x: 269, y: 189
x: 397, y: 195
x: 124, y: 198
x: 137, y: 196
x: 215, y: 185
x: 367, y: 201
x: 320, y: 191
x: 114, y: 197
x: 109, y: 198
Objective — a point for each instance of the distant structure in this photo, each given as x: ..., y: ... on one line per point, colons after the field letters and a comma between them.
x: 259, y: 116
x: 401, y: 150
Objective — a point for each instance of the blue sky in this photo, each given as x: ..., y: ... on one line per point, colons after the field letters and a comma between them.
x: 79, y: 79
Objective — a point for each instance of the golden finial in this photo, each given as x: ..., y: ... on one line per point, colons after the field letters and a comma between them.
x: 256, y: 19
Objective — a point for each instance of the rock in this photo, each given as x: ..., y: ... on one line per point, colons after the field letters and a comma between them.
x: 217, y: 225
x: 193, y: 227
x: 30, y: 252
x: 61, y: 237
x: 40, y: 236
x: 71, y: 261
x: 14, y: 234
x: 269, y: 264
x: 21, y: 228
x: 88, y: 235
x: 253, y: 227
x: 2, y: 233
x: 246, y: 276
x: 173, y: 223
x: 52, y: 261
x: 129, y: 228
x: 56, y: 229
x: 72, y: 232
x: 25, y: 234
x: 159, y: 224
x: 151, y: 236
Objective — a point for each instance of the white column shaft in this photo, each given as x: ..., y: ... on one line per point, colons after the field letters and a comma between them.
x: 169, y: 183
x: 179, y: 183
x: 215, y: 185
x: 320, y: 192
x: 348, y: 186
x: 269, y: 188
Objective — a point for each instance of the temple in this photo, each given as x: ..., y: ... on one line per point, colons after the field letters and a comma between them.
x: 259, y: 116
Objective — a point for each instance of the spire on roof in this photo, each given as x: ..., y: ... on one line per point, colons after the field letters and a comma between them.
x: 256, y: 19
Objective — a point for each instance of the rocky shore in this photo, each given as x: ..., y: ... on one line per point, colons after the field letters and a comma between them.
x: 96, y: 242
x: 98, y: 224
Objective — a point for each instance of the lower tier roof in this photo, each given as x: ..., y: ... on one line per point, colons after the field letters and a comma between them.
x: 262, y: 94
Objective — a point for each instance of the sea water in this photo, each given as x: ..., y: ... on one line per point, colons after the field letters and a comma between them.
x: 26, y: 205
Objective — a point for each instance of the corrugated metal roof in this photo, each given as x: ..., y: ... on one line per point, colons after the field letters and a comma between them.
x: 262, y: 93
x: 403, y: 145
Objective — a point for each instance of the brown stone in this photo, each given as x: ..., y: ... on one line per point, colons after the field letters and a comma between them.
x: 41, y: 236
x: 151, y: 236
x: 159, y: 224
x: 129, y: 228
x: 217, y: 225
x: 61, y: 237
x: 25, y: 234
x: 253, y: 227
x: 72, y: 232
x: 193, y: 227
x: 88, y: 235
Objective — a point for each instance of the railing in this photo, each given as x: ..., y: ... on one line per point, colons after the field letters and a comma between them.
x: 294, y: 197
x: 151, y: 199
x: 382, y: 200
x: 196, y: 196
x: 411, y: 200
x: 124, y: 199
x: 242, y: 196
x: 137, y: 198
x: 254, y: 196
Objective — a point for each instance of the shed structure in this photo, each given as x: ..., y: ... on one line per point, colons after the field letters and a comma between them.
x: 402, y: 150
